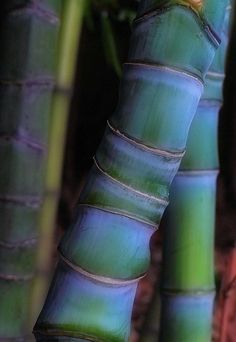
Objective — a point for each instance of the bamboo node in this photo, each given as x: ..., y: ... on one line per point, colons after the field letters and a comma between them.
x: 35, y: 9
x: 160, y: 200
x: 19, y: 245
x: 153, y: 226
x: 16, y: 278
x: 97, y: 278
x: 154, y: 150
x: 28, y: 201
x: 20, y: 139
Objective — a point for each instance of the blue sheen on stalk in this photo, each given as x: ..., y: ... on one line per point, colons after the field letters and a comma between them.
x: 142, y: 87
x: 134, y: 166
x: 190, y: 317
x: 141, y: 168
x: 106, y: 309
x: 109, y: 194
x: 110, y: 238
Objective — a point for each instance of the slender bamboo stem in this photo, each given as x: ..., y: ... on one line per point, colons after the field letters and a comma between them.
x: 106, y: 251
x: 28, y: 35
x: 72, y: 19
x: 188, y: 265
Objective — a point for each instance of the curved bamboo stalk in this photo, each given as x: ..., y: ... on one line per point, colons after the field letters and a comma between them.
x: 71, y: 24
x: 27, y: 59
x: 188, y: 255
x: 106, y: 251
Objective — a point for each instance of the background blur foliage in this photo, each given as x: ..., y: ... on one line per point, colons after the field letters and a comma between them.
x: 109, y: 13
x: 103, y: 49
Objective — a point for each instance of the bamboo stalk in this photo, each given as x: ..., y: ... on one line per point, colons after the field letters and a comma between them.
x: 106, y: 251
x: 188, y: 255
x: 72, y: 19
x: 28, y: 35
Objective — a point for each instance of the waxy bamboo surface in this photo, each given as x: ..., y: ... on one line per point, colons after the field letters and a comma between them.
x: 188, y: 265
x: 106, y: 250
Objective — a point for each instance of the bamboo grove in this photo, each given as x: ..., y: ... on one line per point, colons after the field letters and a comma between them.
x: 26, y: 84
x: 106, y: 251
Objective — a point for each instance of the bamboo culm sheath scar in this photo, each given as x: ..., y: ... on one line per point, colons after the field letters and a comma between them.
x: 27, y: 29
x: 106, y: 250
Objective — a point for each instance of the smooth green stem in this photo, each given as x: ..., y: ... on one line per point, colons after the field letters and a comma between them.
x: 72, y: 18
x: 188, y: 270
x: 106, y: 251
x: 188, y: 255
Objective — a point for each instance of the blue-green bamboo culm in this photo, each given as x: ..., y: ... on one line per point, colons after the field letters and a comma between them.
x: 28, y: 35
x: 106, y: 251
x: 188, y: 254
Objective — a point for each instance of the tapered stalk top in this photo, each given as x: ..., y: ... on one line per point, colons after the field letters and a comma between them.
x: 106, y: 251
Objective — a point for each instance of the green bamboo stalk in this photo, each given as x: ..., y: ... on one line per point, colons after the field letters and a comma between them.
x: 199, y: 152
x: 72, y: 18
x: 28, y: 35
x: 188, y: 253
x: 106, y: 251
